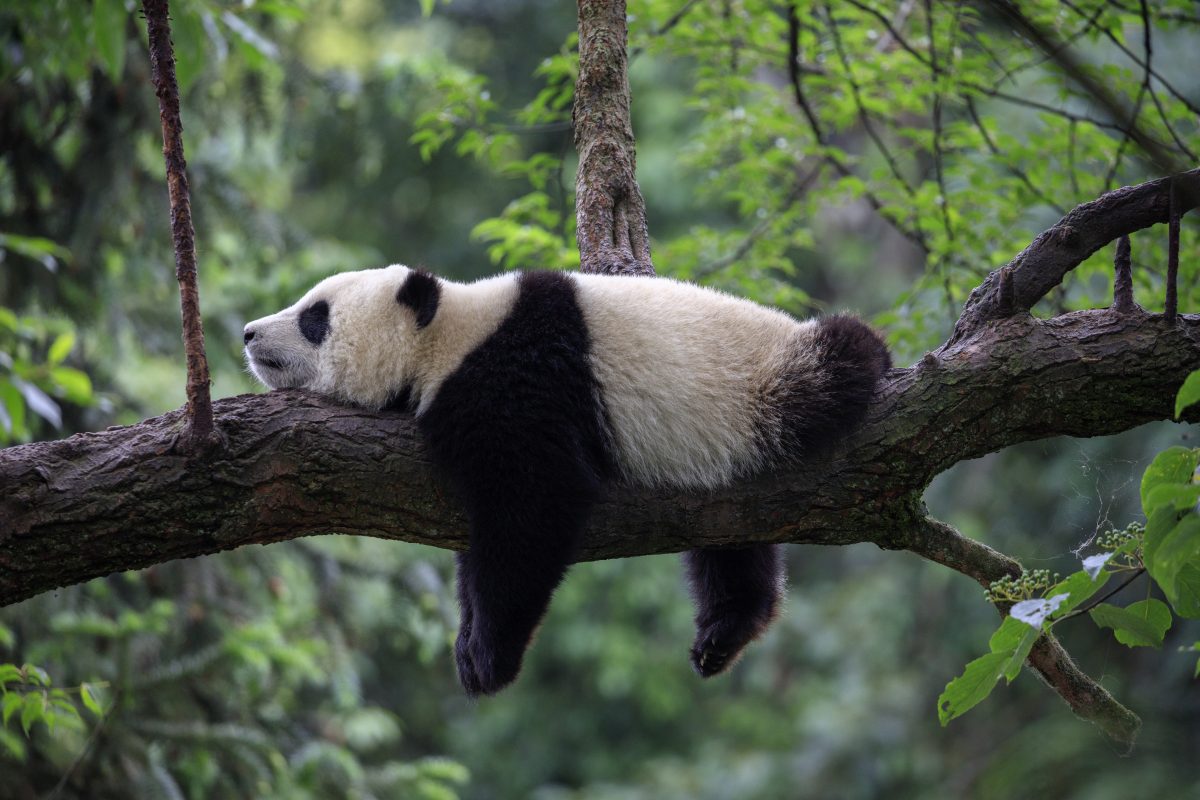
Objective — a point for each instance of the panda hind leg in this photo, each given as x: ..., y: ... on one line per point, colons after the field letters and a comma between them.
x: 737, y: 594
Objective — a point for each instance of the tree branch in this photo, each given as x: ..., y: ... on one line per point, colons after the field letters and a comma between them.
x: 1043, y: 264
x: 162, y: 63
x: 297, y: 465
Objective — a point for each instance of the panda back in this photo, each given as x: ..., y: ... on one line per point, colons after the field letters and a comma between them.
x: 686, y: 374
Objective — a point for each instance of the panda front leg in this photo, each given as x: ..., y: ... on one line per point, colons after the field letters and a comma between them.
x: 737, y: 594
x: 505, y: 582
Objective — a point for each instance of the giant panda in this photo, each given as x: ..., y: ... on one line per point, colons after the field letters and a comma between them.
x: 534, y: 391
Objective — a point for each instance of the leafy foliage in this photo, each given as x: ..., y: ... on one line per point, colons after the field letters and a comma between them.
x: 1167, y: 547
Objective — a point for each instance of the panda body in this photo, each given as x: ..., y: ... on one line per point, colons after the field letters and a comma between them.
x: 534, y: 390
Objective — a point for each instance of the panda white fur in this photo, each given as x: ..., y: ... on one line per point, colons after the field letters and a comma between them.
x: 533, y: 390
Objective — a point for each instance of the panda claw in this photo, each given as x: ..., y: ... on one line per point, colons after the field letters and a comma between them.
x: 708, y: 660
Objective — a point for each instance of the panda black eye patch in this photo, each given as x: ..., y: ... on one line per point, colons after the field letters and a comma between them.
x: 314, y: 322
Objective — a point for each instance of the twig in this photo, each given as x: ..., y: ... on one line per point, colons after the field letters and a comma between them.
x: 1066, y: 60
x: 762, y: 227
x: 1089, y: 605
x: 863, y: 116
x: 912, y: 234
x: 1172, y: 300
x: 1016, y: 171
x: 1195, y: 109
x: 87, y: 746
x: 162, y: 63
x: 1123, y: 279
x: 1141, y: 95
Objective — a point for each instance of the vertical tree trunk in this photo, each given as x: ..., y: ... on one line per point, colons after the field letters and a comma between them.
x: 610, y: 212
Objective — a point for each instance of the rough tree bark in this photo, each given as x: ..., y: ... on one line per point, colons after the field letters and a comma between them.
x: 293, y: 464
x: 610, y: 212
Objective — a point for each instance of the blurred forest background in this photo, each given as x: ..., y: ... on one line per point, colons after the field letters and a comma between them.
x: 325, y: 135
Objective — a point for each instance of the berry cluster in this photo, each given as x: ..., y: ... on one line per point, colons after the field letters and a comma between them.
x: 1029, y: 584
x: 1115, y: 540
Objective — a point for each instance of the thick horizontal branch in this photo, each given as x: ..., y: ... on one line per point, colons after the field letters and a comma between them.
x: 1042, y: 265
x: 294, y: 464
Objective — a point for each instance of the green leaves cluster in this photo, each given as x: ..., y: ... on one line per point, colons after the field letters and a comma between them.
x: 34, y: 376
x: 1167, y: 547
x: 27, y: 699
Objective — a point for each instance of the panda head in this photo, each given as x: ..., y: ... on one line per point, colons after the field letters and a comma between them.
x: 356, y: 336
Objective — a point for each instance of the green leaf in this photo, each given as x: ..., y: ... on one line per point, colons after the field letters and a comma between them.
x: 1007, y: 636
x: 14, y: 407
x: 972, y: 687
x: 7, y: 637
x: 75, y: 385
x: 108, y: 31
x: 34, y: 709
x: 1012, y: 667
x: 44, y: 251
x: 1188, y: 394
x: 60, y: 349
x: 1079, y: 586
x: 1179, y: 547
x: 1186, y: 601
x: 1174, y: 465
x: 13, y: 744
x: 36, y: 675
x: 1142, y: 624
x: 1181, y: 498
x: 89, y: 699
x: 8, y: 706
x: 10, y: 674
x: 39, y: 401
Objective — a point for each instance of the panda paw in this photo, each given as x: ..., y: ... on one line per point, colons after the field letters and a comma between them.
x: 710, y: 657
x: 719, y: 644
x: 484, y: 669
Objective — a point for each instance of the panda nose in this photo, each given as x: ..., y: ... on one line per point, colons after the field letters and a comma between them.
x: 247, y: 335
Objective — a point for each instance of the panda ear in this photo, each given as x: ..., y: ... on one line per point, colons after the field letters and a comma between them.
x: 420, y: 292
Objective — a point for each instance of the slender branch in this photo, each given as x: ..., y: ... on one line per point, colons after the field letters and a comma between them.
x: 936, y: 114
x: 1067, y: 61
x: 863, y: 116
x: 938, y: 542
x: 1132, y: 56
x: 828, y: 153
x: 1095, y: 601
x: 1012, y: 169
x: 763, y: 225
x: 162, y: 62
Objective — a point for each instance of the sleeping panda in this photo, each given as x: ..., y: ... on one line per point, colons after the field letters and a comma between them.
x: 534, y: 391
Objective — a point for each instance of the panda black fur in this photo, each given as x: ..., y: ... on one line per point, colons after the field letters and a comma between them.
x: 534, y: 390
